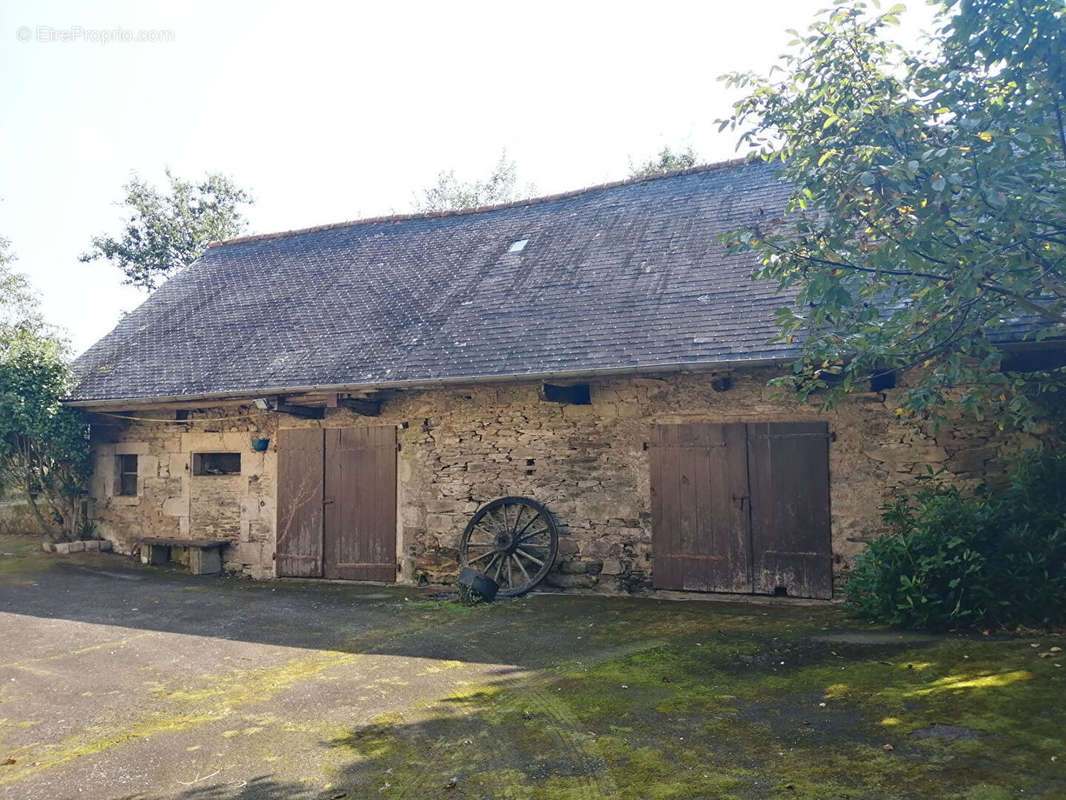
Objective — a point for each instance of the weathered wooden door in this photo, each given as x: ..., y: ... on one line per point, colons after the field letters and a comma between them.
x: 337, y: 503
x: 299, y: 534
x: 699, y: 489
x: 742, y: 508
x: 788, y: 468
x: 360, y: 504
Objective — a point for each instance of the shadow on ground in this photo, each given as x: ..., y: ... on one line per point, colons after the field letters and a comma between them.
x: 556, y: 697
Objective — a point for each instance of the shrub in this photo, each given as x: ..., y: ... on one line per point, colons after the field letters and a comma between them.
x: 993, y: 558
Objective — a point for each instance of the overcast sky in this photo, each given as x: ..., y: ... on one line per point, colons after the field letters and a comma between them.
x: 334, y: 111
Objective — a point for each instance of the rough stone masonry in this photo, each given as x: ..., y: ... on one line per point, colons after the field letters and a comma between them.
x: 462, y: 446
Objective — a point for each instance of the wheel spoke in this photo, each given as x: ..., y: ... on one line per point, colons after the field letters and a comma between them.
x: 534, y: 518
x: 470, y: 561
x: 496, y: 521
x: 480, y: 527
x: 532, y: 534
x: 510, y: 577
x: 499, y: 564
x: 521, y: 567
x: 517, y: 519
x: 532, y: 558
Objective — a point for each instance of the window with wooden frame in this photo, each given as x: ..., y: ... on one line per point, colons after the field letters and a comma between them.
x: 216, y: 464
x: 126, y: 475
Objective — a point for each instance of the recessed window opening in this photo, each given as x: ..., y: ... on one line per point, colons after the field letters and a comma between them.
x: 577, y: 394
x: 780, y: 591
x: 126, y: 474
x: 216, y: 464
x: 518, y: 246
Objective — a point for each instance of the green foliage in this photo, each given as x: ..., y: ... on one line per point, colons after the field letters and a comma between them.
x: 451, y: 194
x: 927, y: 219
x: 44, y: 446
x: 18, y: 304
x: 467, y: 596
x: 996, y: 558
x: 666, y: 161
x: 166, y: 231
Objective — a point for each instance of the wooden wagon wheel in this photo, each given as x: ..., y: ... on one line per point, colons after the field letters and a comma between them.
x: 513, y: 540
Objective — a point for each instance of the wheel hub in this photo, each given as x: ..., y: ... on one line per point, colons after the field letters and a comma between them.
x: 505, y: 542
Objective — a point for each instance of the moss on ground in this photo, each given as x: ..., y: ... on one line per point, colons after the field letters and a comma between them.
x: 741, y: 705
x: 594, y: 698
x: 205, y: 698
x: 21, y: 558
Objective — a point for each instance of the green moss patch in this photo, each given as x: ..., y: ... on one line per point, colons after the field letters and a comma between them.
x: 21, y: 557
x: 739, y: 705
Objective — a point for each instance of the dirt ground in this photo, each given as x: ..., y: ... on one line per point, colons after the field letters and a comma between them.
x: 121, y: 681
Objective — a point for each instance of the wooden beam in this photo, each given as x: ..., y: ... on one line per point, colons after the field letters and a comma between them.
x: 368, y: 408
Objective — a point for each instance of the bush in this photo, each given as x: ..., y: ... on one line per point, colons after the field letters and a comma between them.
x: 995, y: 558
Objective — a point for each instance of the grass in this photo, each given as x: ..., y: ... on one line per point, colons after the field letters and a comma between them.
x: 634, y: 700
x: 742, y: 706
x: 21, y: 557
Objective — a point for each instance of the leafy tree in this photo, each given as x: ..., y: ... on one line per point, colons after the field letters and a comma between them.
x: 666, y: 161
x: 18, y: 304
x: 44, y: 445
x: 927, y: 221
x: 166, y: 231
x: 451, y: 194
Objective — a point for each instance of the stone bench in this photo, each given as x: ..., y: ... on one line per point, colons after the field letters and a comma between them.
x: 205, y: 556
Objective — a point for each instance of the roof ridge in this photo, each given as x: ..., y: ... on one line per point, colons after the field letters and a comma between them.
x: 259, y: 237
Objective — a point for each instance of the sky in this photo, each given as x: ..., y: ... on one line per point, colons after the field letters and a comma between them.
x: 335, y: 111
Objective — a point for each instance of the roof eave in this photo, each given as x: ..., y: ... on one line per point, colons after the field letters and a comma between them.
x: 238, y: 394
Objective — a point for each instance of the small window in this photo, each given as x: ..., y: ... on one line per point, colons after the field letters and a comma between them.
x: 126, y: 467
x: 518, y: 247
x: 577, y: 394
x: 216, y: 464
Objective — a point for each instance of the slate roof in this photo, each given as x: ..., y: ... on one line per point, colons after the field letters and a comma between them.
x: 621, y: 277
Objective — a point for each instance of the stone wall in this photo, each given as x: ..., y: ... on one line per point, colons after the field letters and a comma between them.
x: 464, y: 446
x: 172, y: 502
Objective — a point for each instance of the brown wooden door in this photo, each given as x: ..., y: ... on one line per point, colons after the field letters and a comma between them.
x: 788, y: 465
x: 742, y: 508
x: 360, y: 504
x: 299, y: 539
x: 699, y: 490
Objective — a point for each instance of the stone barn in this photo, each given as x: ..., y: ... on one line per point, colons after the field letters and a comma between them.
x: 338, y: 402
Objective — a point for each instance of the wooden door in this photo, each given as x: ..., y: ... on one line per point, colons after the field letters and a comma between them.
x: 699, y: 491
x: 299, y: 526
x: 360, y: 504
x: 742, y: 508
x: 788, y: 465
